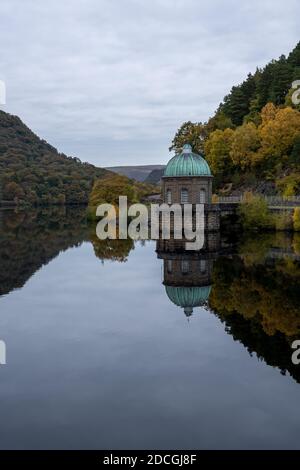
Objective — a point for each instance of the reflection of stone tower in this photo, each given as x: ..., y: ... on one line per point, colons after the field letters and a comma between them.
x: 187, y: 274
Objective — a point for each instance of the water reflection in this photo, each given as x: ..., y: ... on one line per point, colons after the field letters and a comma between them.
x: 29, y: 240
x: 256, y: 294
x: 114, y: 250
x: 187, y: 275
x: 253, y: 287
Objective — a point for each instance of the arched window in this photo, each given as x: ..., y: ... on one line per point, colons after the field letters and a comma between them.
x: 169, y: 266
x: 185, y: 266
x: 202, y: 196
x: 184, y: 196
x: 169, y: 196
x: 203, y: 266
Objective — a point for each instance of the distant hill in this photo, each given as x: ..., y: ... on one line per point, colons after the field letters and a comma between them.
x: 33, y: 172
x: 155, y: 176
x: 137, y: 172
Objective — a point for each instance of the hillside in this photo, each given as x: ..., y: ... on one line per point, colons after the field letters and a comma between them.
x: 33, y: 172
x: 155, y: 176
x: 137, y: 172
x: 253, y: 140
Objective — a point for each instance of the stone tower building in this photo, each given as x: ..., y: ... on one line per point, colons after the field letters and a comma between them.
x: 188, y: 180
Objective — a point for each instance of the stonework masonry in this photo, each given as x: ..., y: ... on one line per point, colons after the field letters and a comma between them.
x: 195, y: 186
x: 198, y: 190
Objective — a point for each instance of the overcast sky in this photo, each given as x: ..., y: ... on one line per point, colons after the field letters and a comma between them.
x: 110, y: 81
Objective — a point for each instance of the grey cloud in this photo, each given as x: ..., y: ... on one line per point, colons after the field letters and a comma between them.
x: 110, y: 81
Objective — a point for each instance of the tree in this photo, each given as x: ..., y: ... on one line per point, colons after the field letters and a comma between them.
x: 281, y: 80
x: 294, y: 60
x: 295, y: 153
x: 245, y: 144
x: 289, y: 185
x: 296, y: 219
x: 217, y: 151
x: 108, y: 190
x: 268, y: 113
x: 254, y: 114
x: 190, y: 133
x: 219, y: 121
x: 235, y: 106
x: 13, y: 191
x: 254, y: 214
x: 237, y: 103
x: 278, y: 134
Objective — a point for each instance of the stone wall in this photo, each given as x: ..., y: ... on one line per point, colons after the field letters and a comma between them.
x: 211, y: 220
x: 172, y: 247
x: 194, y: 185
x: 212, y: 217
x: 183, y: 271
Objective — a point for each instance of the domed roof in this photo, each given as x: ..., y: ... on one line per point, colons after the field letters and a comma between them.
x: 188, y: 297
x: 187, y: 163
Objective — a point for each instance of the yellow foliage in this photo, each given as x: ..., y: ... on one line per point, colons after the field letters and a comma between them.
x: 268, y: 113
x: 296, y: 219
x: 289, y: 185
x: 217, y: 148
x: 289, y: 190
x: 248, y: 196
x: 247, y: 292
x: 254, y: 213
x: 296, y: 243
x: 268, y: 145
x: 115, y: 250
x: 278, y: 134
x: 283, y: 221
x: 108, y: 190
x: 245, y: 144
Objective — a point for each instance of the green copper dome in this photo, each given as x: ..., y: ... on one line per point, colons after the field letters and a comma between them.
x: 187, y: 163
x: 188, y: 297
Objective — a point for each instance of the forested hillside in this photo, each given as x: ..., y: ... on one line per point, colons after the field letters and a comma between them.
x: 155, y: 176
x: 253, y: 140
x: 33, y: 172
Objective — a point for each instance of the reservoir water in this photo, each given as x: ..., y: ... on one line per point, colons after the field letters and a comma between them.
x: 119, y: 345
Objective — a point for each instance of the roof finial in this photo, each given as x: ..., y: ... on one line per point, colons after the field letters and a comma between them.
x: 187, y: 148
x: 188, y: 311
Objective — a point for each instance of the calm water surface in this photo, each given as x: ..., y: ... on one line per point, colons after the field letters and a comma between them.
x: 100, y: 356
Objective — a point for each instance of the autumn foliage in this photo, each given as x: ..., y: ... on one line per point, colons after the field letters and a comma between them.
x: 296, y: 219
x: 266, y: 147
x: 254, y: 135
x: 32, y: 172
